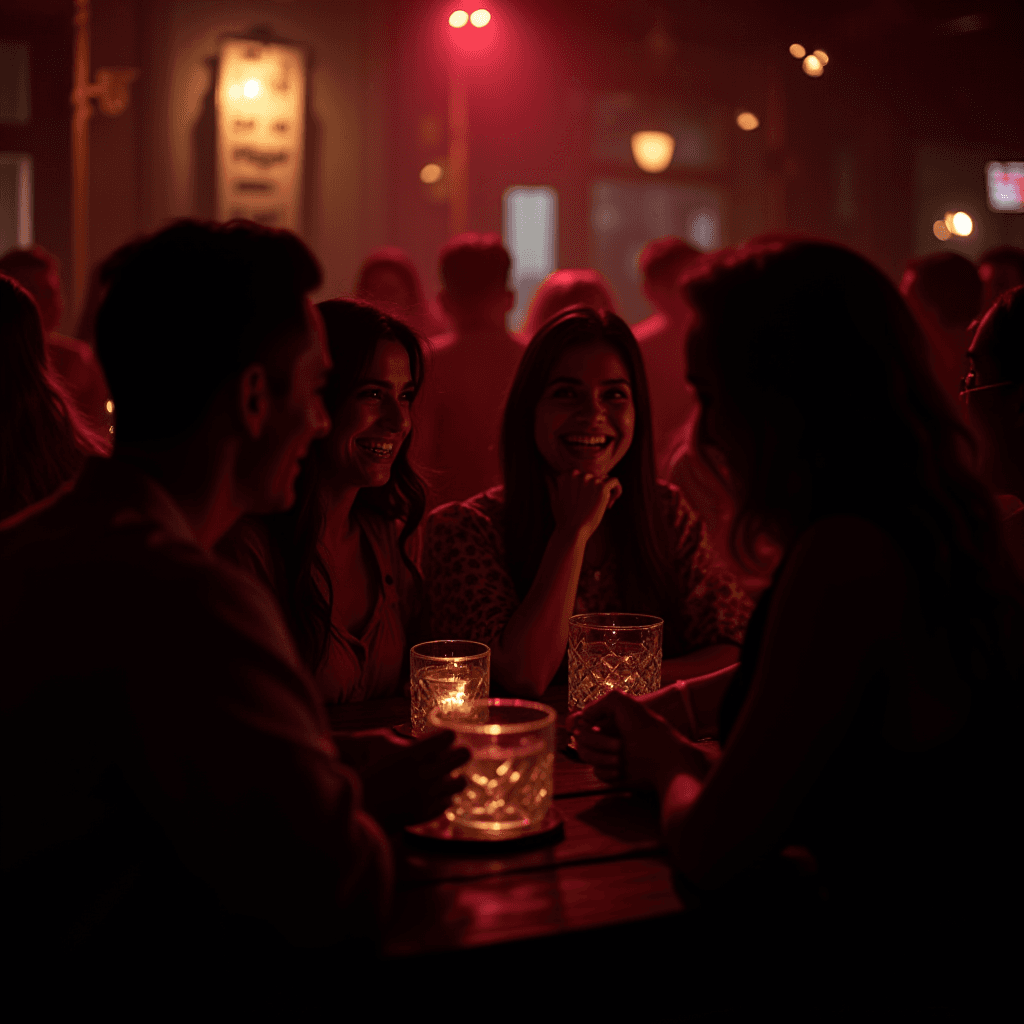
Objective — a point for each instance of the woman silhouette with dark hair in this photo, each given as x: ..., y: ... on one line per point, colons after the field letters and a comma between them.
x: 581, y: 524
x: 866, y: 720
x: 44, y: 441
x: 341, y: 560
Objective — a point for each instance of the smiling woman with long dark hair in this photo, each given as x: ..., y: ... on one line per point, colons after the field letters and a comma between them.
x: 340, y: 560
x: 581, y: 524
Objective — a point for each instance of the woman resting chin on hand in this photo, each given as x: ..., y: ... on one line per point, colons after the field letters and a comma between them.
x: 581, y: 524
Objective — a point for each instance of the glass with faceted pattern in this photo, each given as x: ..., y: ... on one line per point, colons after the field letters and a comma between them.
x: 613, y: 651
x: 510, y: 777
x: 446, y: 673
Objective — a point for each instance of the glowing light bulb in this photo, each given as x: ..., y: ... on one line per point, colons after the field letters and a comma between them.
x: 479, y: 18
x: 110, y: 406
x: 652, y: 151
x: 940, y: 231
x: 962, y: 224
x: 813, y: 66
x: 747, y: 121
x: 822, y: 56
x: 235, y: 92
x: 797, y: 51
x: 251, y: 89
x: 458, y: 19
x: 430, y: 174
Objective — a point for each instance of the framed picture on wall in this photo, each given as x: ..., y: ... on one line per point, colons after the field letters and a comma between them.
x: 261, y: 110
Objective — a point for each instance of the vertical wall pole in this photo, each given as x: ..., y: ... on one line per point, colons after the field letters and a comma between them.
x: 81, y: 112
x: 458, y: 153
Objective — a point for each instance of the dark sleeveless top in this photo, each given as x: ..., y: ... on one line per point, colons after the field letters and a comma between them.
x: 883, y: 824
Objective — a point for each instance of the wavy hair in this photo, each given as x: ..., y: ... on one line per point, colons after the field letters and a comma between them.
x: 43, y: 442
x: 354, y: 329
x: 827, y: 405
x: 638, y: 531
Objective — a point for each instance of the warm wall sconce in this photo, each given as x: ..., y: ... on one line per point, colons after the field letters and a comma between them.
x: 652, y: 151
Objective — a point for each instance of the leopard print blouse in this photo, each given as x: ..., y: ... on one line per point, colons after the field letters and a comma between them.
x: 472, y: 595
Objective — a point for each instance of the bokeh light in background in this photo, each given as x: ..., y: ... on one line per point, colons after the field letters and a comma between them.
x: 747, y: 121
x: 652, y: 151
x: 479, y: 18
x: 797, y: 51
x: 813, y: 66
x: 959, y: 223
x: 251, y: 89
x: 822, y: 56
x: 430, y: 174
x: 940, y: 231
x: 458, y: 19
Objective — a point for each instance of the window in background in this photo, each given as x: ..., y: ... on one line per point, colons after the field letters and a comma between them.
x: 625, y: 216
x: 15, y: 200
x: 1005, y: 183
x: 530, y: 232
x: 14, y: 83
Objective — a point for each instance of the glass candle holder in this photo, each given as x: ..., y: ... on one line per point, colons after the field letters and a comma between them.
x: 510, y: 778
x: 446, y: 673
x: 613, y: 651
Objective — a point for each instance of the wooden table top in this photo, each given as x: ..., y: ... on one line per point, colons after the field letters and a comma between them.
x: 609, y: 868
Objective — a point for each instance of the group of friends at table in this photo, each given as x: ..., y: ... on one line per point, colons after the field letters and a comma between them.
x: 175, y: 616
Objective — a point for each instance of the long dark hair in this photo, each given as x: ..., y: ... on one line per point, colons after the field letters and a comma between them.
x: 639, y: 531
x: 827, y: 405
x: 354, y: 329
x: 43, y: 443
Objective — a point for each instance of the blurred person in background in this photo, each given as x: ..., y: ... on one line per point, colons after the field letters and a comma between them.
x: 1000, y: 269
x: 662, y: 340
x: 581, y: 523
x: 44, y: 440
x: 388, y: 280
x: 342, y: 559
x: 994, y: 392
x: 72, y: 360
x: 470, y: 369
x: 943, y: 291
x: 563, y: 289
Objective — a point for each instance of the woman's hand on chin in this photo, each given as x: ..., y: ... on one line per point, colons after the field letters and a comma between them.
x: 580, y: 500
x: 627, y: 742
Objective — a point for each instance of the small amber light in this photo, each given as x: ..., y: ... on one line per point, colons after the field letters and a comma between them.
x: 962, y: 224
x: 458, y: 19
x: 822, y: 56
x: 797, y: 51
x: 813, y: 66
x: 479, y: 18
x: 940, y: 231
x: 747, y: 121
x: 430, y: 174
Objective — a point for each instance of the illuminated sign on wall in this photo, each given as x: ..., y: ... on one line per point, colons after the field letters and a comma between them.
x: 1005, y: 186
x: 261, y: 106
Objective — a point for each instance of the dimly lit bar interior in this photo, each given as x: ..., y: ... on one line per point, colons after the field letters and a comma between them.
x: 512, y: 511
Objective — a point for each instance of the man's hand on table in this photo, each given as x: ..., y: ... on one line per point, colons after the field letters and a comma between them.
x: 404, y: 782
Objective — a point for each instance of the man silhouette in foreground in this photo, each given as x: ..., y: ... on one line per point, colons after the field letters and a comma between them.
x: 458, y: 418
x: 169, y: 782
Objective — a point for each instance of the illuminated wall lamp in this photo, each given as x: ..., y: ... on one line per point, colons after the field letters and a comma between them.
x: 652, y: 151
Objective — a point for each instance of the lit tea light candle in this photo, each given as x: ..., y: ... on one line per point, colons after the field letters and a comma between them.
x: 446, y: 674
